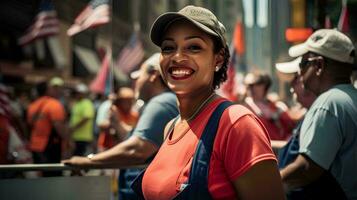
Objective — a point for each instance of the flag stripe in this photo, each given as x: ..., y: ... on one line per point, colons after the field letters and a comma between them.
x: 45, y: 24
x: 96, y: 13
x: 131, y: 55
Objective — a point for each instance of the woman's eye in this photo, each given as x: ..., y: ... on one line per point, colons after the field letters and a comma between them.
x: 194, y: 47
x: 167, y: 49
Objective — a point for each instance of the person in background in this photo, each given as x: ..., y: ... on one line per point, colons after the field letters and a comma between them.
x: 194, y: 57
x: 13, y: 148
x: 81, y: 121
x: 117, y: 118
x: 103, y: 122
x: 46, y: 118
x: 146, y: 137
x: 288, y: 151
x: 97, y: 100
x: 274, y: 116
x: 326, y: 165
x: 125, y: 118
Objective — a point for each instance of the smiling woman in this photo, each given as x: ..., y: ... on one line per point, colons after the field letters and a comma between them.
x: 212, y: 150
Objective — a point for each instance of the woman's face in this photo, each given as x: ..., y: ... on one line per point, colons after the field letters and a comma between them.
x: 187, y: 58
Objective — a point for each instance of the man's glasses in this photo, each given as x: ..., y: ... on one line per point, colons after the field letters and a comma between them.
x: 303, y: 65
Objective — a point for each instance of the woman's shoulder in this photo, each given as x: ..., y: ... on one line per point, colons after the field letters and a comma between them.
x: 236, y: 111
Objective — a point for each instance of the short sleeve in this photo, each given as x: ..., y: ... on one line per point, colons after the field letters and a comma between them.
x: 56, y: 111
x: 152, y: 122
x: 320, y: 137
x: 88, y: 109
x: 244, y: 144
x: 103, y: 112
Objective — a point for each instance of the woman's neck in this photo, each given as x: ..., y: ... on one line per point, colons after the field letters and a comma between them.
x: 191, y: 105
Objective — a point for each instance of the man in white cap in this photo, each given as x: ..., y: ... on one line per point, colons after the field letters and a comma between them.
x: 146, y: 138
x: 288, y: 71
x: 326, y: 165
x: 288, y: 151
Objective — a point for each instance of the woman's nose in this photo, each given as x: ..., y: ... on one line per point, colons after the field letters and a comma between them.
x: 179, y: 56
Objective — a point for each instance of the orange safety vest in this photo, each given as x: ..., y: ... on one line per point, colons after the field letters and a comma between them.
x: 41, y: 122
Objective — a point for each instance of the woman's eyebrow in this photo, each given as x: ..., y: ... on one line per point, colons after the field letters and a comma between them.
x: 193, y: 37
x: 186, y: 38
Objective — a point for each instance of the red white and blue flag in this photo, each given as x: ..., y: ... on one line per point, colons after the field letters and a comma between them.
x: 100, y: 83
x: 96, y: 13
x: 131, y: 55
x: 45, y: 24
x: 237, y: 49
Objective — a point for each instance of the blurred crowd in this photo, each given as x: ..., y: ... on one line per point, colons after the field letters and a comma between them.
x: 74, y: 121
x: 56, y: 122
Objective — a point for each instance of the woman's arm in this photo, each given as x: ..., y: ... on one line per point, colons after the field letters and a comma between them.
x: 261, y: 181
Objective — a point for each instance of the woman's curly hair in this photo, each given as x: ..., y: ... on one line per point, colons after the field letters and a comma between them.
x: 221, y: 75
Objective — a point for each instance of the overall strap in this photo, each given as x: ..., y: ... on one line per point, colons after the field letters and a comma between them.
x: 200, y: 165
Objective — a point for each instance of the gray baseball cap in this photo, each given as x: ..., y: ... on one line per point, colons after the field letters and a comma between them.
x: 329, y: 43
x: 203, y: 18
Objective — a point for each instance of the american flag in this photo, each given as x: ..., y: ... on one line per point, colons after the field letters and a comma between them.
x: 131, y: 55
x: 5, y: 108
x: 96, y: 13
x: 45, y: 24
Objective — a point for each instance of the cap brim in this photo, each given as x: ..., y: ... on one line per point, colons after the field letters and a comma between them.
x: 289, y: 67
x: 162, y: 22
x: 298, y: 50
x: 135, y: 74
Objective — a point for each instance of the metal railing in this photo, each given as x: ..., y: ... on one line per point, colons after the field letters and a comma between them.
x: 58, y: 166
x: 56, y: 188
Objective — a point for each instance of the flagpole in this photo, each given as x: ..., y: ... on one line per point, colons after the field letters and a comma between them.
x: 111, y: 63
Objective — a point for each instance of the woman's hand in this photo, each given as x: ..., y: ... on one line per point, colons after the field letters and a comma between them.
x: 77, y: 161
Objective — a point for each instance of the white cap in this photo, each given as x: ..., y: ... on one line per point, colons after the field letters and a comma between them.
x: 153, y: 61
x: 329, y: 43
x: 81, y: 88
x: 289, y: 67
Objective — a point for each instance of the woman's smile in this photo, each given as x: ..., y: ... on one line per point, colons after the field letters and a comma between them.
x: 180, y: 73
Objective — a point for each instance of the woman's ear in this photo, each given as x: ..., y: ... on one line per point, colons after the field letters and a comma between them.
x: 220, y: 58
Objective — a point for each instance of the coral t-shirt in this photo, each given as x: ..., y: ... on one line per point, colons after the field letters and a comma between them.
x: 240, y: 143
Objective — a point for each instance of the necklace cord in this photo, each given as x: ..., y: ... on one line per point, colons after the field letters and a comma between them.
x: 198, y: 109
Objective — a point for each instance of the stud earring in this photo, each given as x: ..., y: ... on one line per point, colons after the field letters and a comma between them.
x: 318, y: 73
x: 216, y: 69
